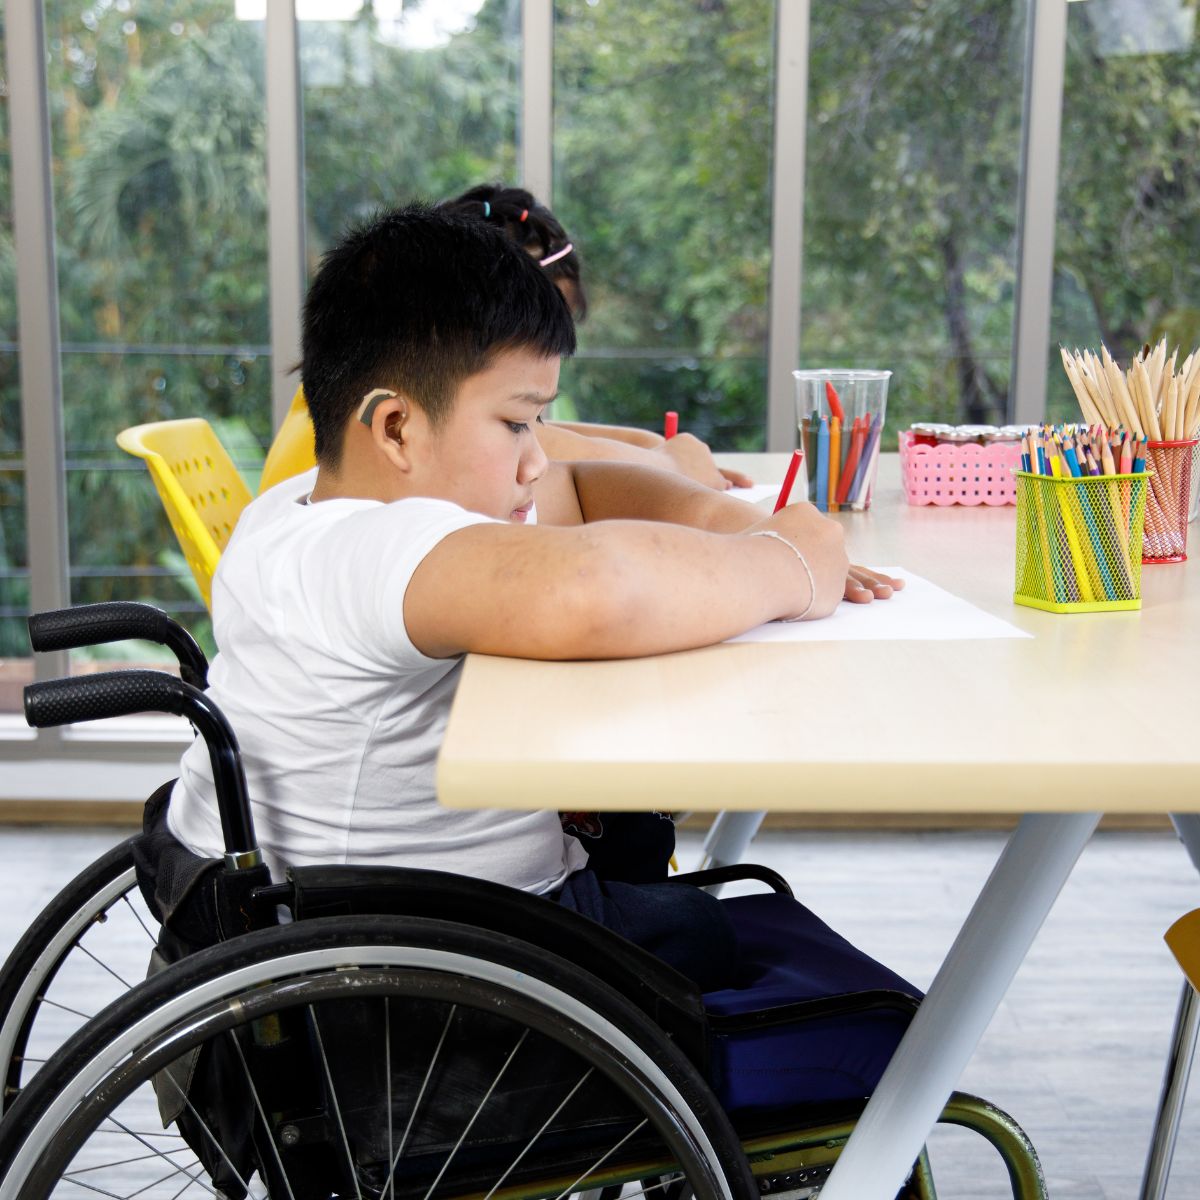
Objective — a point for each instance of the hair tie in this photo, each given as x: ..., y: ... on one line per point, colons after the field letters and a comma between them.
x: 524, y: 214
x: 487, y: 209
x: 553, y: 258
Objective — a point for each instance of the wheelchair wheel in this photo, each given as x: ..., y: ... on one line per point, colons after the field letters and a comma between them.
x: 370, y: 1057
x: 71, y: 963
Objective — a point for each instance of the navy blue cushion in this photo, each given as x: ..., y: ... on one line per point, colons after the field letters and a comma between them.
x: 789, y: 955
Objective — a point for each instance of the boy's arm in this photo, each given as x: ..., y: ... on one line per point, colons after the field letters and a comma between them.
x: 618, y: 589
x: 617, y: 433
x: 576, y: 493
x: 682, y: 455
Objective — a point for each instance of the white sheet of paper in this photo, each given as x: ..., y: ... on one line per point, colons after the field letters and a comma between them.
x: 760, y: 491
x: 921, y: 612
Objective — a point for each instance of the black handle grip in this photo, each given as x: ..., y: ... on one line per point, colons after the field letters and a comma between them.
x: 118, y: 621
x: 121, y: 693
x: 108, y: 694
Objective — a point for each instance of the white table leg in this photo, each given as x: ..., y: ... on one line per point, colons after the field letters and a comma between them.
x: 962, y: 999
x: 729, y: 838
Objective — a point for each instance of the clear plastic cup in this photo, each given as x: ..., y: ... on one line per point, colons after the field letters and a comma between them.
x: 841, y: 452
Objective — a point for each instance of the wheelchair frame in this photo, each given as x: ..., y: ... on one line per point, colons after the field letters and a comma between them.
x: 664, y: 1013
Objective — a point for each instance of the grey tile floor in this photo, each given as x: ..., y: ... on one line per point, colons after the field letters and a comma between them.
x: 1076, y: 1050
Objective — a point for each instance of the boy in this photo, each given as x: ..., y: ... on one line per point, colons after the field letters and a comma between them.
x: 434, y: 526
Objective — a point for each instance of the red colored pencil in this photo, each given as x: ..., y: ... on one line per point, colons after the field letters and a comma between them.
x: 670, y: 424
x: 786, y: 490
x: 835, y: 404
x: 857, y: 437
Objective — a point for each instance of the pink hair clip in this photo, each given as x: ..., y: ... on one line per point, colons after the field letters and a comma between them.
x: 553, y: 258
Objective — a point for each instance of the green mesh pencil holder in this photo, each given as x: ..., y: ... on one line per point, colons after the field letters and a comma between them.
x: 1079, y: 542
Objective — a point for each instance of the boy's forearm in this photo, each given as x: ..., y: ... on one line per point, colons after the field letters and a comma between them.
x: 565, y: 444
x: 617, y: 433
x: 614, y: 491
x: 614, y: 590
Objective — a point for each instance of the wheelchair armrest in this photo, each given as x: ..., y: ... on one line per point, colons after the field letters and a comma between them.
x: 118, y: 621
x: 666, y: 996
x: 732, y: 873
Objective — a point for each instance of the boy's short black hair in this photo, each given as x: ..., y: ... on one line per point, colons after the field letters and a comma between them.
x: 416, y: 300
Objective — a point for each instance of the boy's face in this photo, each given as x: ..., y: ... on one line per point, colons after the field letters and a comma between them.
x: 486, y: 456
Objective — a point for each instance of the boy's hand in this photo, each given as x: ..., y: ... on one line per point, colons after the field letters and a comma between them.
x: 822, y: 542
x: 863, y: 584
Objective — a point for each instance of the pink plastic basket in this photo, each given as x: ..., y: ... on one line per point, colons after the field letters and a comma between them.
x: 967, y: 474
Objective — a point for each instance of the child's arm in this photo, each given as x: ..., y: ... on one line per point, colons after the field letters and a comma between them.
x: 618, y: 589
x: 574, y: 493
x: 645, y: 438
x: 682, y: 455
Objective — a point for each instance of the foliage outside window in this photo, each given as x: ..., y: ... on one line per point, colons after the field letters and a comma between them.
x: 662, y: 147
x: 14, y: 557
x: 418, y: 105
x: 158, y: 157
x: 914, y: 132
x: 1125, y: 266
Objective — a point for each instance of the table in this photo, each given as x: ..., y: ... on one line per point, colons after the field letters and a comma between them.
x: 1091, y: 714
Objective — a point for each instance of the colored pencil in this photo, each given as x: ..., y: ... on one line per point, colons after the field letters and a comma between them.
x: 789, y: 479
x: 835, y: 461
x: 835, y: 403
x: 823, y: 465
x: 857, y: 437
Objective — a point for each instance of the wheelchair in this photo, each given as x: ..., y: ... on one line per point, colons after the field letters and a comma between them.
x: 396, y: 1034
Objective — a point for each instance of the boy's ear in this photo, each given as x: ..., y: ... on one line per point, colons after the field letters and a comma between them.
x: 386, y: 416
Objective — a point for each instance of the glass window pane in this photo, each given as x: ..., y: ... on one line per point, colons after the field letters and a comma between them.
x: 406, y: 101
x: 1125, y: 264
x: 158, y: 132
x: 914, y: 130
x: 15, y: 664
x: 662, y: 137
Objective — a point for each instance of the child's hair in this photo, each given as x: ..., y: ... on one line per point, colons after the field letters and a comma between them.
x: 416, y: 300
x: 533, y: 227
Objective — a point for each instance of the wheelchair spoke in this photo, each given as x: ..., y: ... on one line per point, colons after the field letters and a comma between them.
x: 478, y: 1109
x: 155, y: 1152
x: 73, y: 1011
x: 207, y: 1133
x: 546, y: 1125
x: 88, y: 1187
x: 101, y: 963
x: 138, y: 918
x: 601, y: 1160
x: 337, y: 1108
x: 124, y: 1162
x: 666, y: 1181
x: 412, y: 1116
x: 262, y: 1116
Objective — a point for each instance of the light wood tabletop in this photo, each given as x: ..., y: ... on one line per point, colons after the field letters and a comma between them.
x: 1094, y: 711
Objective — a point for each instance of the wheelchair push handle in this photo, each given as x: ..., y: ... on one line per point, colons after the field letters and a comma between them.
x: 122, y: 693
x: 118, y: 621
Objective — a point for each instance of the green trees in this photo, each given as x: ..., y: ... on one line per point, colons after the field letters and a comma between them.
x: 663, y: 133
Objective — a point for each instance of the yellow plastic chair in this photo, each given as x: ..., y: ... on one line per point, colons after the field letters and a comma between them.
x: 199, y: 486
x: 293, y: 449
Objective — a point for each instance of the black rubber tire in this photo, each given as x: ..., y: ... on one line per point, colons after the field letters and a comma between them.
x: 286, y: 967
x: 84, y: 900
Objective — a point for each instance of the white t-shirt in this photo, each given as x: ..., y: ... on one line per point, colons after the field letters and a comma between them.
x: 338, y: 715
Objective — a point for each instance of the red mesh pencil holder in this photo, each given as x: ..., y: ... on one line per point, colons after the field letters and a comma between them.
x: 1167, y: 500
